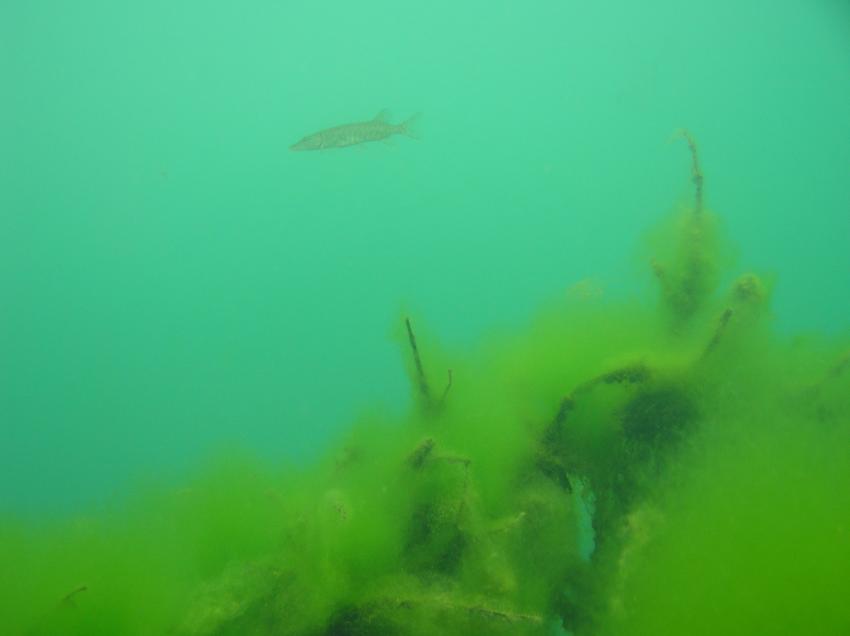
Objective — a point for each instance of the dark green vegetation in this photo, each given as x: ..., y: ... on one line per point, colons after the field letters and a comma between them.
x: 712, y: 455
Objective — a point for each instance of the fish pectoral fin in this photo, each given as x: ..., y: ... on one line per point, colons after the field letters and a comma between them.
x: 383, y: 116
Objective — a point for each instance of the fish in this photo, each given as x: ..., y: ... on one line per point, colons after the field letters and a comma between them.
x: 376, y: 129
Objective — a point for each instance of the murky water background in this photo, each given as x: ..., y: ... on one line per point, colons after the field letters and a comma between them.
x: 174, y: 279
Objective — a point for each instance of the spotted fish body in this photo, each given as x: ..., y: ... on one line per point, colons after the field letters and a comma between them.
x: 358, y: 133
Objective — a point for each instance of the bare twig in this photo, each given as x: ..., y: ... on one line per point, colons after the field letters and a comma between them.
x: 696, y: 171
x: 424, y: 391
x: 68, y: 599
x: 718, y: 332
x: 446, y: 390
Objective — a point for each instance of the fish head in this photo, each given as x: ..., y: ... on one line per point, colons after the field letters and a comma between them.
x: 311, y: 142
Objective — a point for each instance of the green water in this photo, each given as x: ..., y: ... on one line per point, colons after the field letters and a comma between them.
x: 178, y: 285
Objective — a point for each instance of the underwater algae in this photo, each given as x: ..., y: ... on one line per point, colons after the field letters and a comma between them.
x: 619, y: 468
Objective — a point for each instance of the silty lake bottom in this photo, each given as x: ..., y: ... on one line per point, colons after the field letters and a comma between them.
x: 664, y: 464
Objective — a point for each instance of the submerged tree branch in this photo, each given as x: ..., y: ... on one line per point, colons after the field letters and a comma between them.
x: 422, y: 381
x: 446, y: 390
x: 722, y: 323
x: 696, y: 171
x: 68, y: 599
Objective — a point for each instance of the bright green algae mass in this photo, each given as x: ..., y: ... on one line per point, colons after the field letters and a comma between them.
x: 618, y: 468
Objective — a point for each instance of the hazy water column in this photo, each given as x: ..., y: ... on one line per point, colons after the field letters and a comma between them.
x: 173, y: 278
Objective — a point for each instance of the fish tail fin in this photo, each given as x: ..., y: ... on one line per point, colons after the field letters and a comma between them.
x: 411, y: 126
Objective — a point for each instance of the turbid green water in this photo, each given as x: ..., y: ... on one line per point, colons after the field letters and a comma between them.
x: 210, y: 411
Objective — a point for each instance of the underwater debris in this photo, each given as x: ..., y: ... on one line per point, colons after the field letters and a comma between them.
x: 445, y: 391
x: 508, y: 524
x: 747, y: 299
x: 637, y: 373
x: 749, y: 289
x: 552, y: 456
x: 422, y: 381
x: 722, y: 323
x: 696, y: 172
x: 427, y: 403
x: 421, y: 453
x: 242, y: 595
x: 395, y: 615
x: 688, y: 281
x: 656, y: 419
x: 68, y: 599
x: 482, y: 527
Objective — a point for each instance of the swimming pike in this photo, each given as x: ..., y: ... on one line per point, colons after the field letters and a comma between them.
x: 358, y: 133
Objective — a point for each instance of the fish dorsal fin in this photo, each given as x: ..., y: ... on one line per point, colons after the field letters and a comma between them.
x: 383, y: 116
